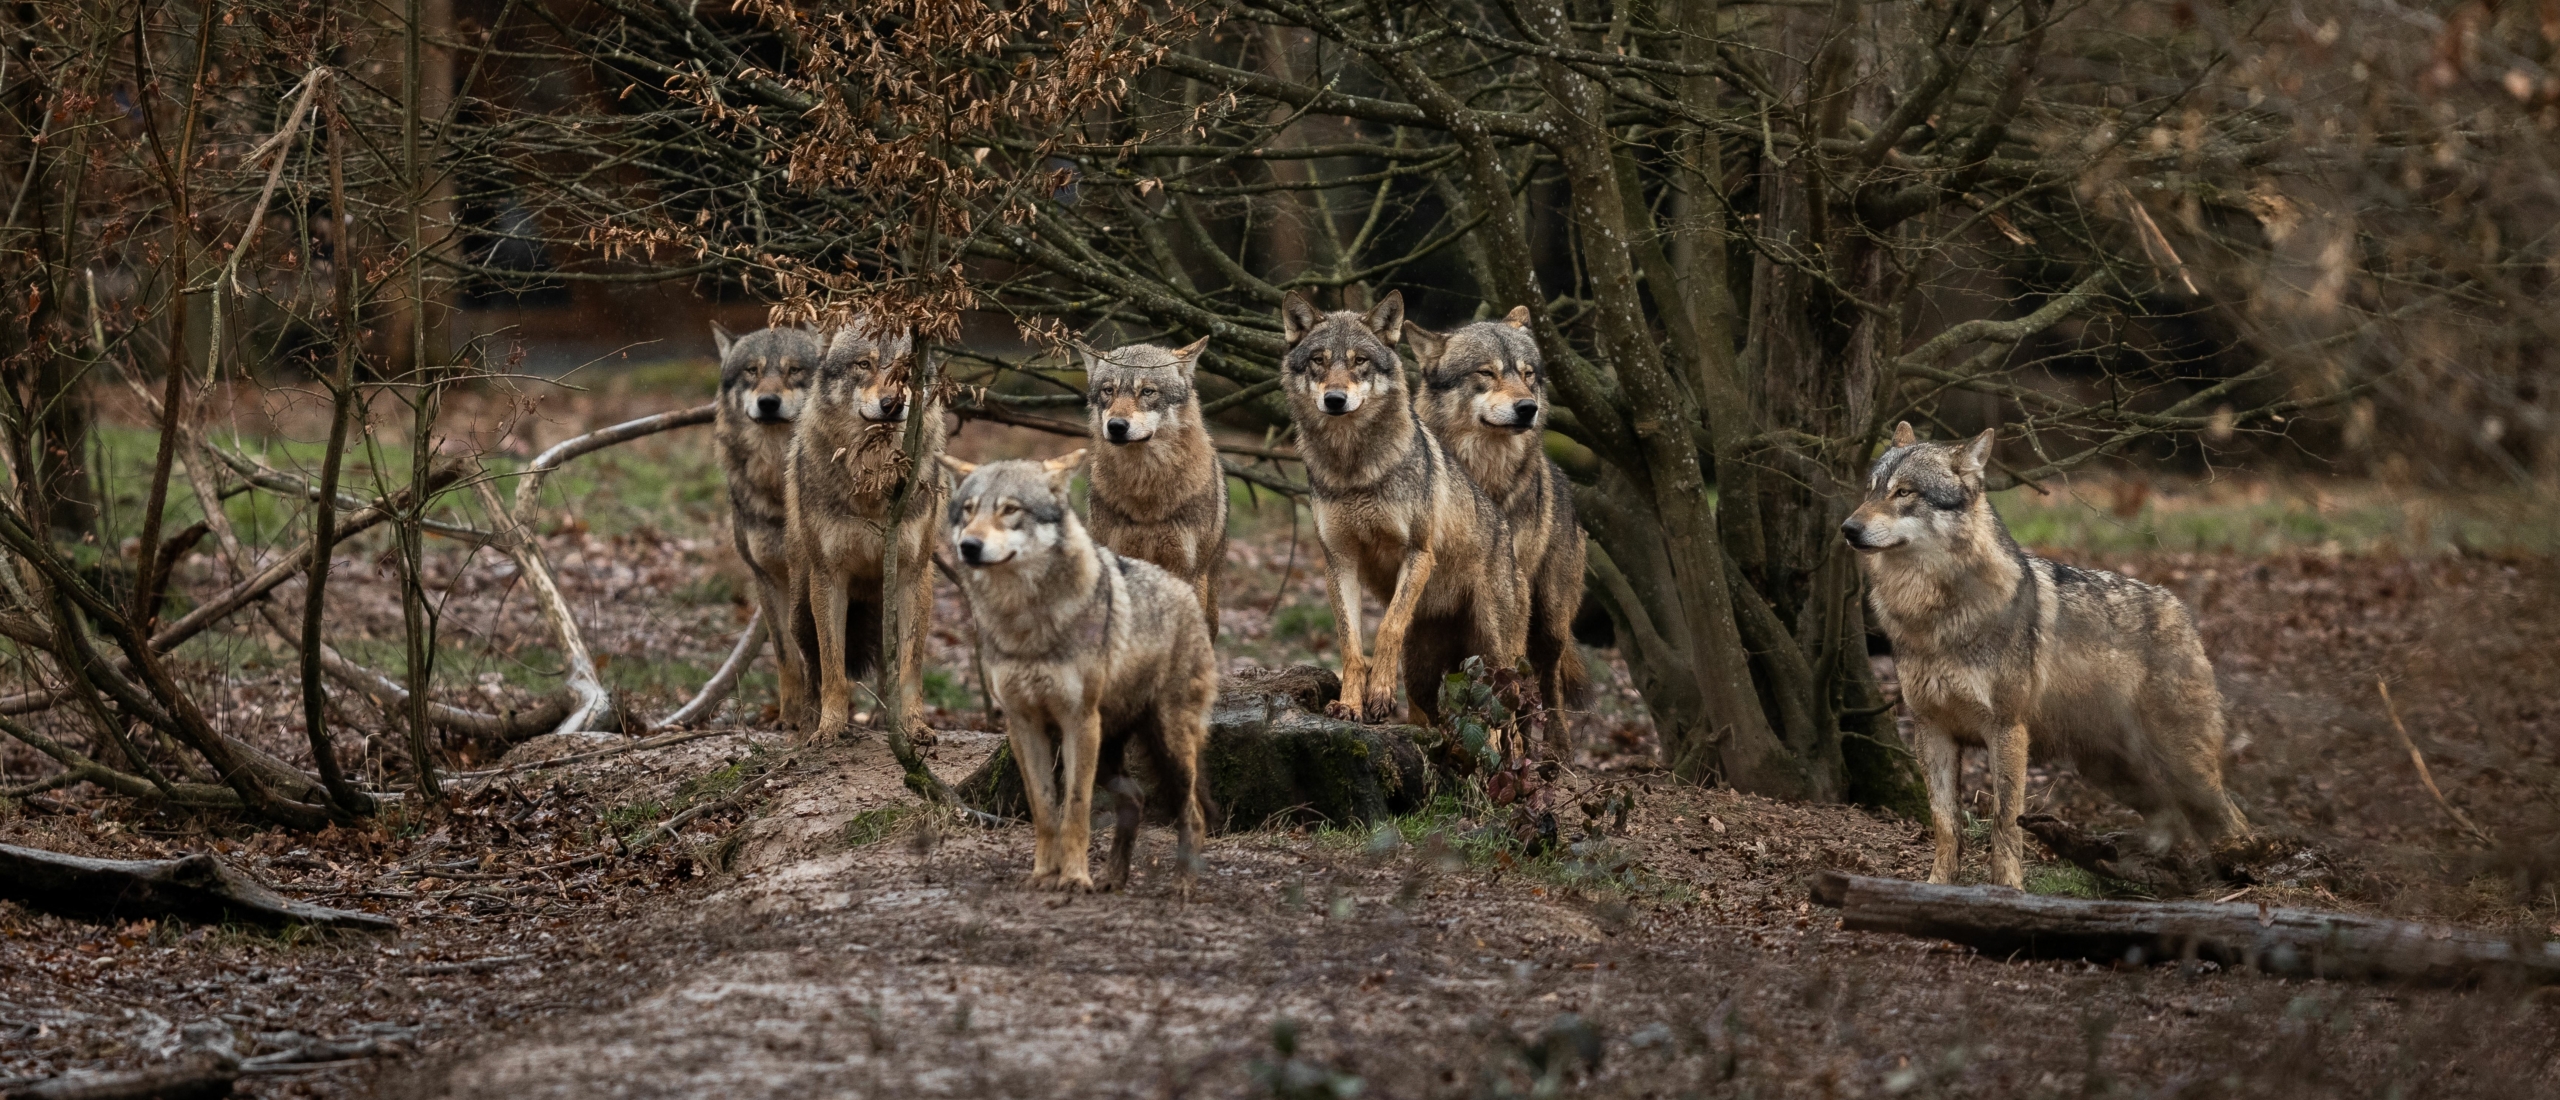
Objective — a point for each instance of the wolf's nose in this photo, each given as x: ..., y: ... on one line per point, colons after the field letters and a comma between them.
x: 1851, y: 530
x: 768, y: 405
x: 1117, y: 429
x: 971, y: 548
x: 1337, y: 402
x: 1523, y: 412
x: 890, y: 405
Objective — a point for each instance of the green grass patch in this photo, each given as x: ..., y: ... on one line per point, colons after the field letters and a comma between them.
x: 2265, y: 516
x: 944, y: 688
x: 1301, y: 620
x: 870, y: 827
x: 2064, y: 880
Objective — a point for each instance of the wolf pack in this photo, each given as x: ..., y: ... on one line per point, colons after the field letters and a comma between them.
x: 1432, y: 494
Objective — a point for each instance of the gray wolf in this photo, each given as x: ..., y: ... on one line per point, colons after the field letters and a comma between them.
x: 1087, y: 650
x: 1158, y: 492
x: 1395, y: 513
x: 843, y: 470
x: 1485, y: 399
x: 1994, y: 644
x: 765, y: 377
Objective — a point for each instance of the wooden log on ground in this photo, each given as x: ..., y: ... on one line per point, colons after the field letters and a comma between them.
x: 196, y: 887
x: 2001, y: 922
x: 197, y: 1075
x: 1272, y: 756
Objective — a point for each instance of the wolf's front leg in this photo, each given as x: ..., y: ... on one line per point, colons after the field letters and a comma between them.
x: 1027, y: 731
x: 1380, y: 701
x: 781, y: 599
x: 829, y: 596
x: 1939, y: 760
x: 2008, y: 745
x: 1342, y: 590
x: 1079, y: 753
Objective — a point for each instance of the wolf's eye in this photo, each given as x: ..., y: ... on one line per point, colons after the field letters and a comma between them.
x: 1359, y: 358
x: 1904, y: 492
x: 1147, y: 392
x: 1007, y: 508
x: 1486, y: 374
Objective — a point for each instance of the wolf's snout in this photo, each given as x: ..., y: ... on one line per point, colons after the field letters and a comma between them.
x: 1855, y: 532
x: 972, y: 549
x: 1337, y: 402
x: 890, y: 405
x: 768, y: 406
x: 1524, y: 413
x: 1117, y: 428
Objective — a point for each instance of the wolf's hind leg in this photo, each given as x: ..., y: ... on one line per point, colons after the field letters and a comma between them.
x: 2008, y: 747
x: 1182, y: 728
x: 1939, y: 760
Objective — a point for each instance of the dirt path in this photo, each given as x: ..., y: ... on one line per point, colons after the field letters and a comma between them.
x: 862, y: 953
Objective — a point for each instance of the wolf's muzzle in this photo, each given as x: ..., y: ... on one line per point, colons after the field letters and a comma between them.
x: 1117, y: 429
x: 1337, y: 402
x: 972, y: 550
x: 768, y: 407
x: 1524, y: 414
x: 1856, y: 533
x: 892, y: 407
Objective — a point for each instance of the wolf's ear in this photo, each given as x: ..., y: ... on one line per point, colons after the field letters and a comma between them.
x: 1517, y: 318
x: 721, y: 339
x: 1976, y: 453
x: 897, y: 345
x: 1427, y: 345
x: 1061, y: 468
x: 1189, y: 355
x: 1903, y: 436
x: 956, y: 466
x: 1298, y: 316
x: 1387, y: 317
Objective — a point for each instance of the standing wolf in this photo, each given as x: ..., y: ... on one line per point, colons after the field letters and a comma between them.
x: 1395, y: 514
x: 844, y: 467
x: 1992, y: 642
x: 764, y: 383
x: 1159, y: 494
x: 1087, y: 650
x: 1483, y: 396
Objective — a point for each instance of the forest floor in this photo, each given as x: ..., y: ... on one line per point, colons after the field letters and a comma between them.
x: 817, y: 931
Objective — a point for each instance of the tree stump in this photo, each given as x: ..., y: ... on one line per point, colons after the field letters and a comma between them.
x: 1272, y: 756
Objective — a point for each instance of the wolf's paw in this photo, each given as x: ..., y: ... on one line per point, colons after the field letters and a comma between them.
x: 1076, y: 883
x: 1341, y: 711
x: 923, y: 737
x: 1380, y: 706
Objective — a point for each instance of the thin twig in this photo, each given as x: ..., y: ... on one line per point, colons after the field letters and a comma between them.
x: 2424, y: 775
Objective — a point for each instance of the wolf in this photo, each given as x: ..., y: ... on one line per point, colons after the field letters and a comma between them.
x: 1087, y: 650
x: 1485, y: 398
x: 1395, y: 513
x: 1994, y: 644
x: 842, y: 471
x: 1158, y: 493
x: 765, y: 377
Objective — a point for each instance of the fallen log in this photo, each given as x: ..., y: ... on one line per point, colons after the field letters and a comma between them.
x: 2000, y: 921
x: 1272, y: 756
x: 197, y: 1075
x: 195, y: 887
